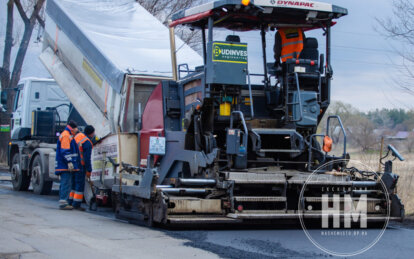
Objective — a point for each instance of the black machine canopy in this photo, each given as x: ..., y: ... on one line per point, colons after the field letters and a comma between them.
x: 245, y: 15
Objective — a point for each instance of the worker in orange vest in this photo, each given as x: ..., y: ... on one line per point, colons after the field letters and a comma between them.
x: 66, y: 163
x: 288, y: 44
x: 85, y: 142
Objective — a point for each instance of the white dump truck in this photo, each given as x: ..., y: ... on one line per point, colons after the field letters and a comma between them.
x: 107, y: 59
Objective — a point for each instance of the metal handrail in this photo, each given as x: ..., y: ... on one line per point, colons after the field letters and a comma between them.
x: 244, y: 126
x: 185, y: 70
x: 342, y: 128
x: 250, y: 95
x: 322, y: 135
x: 300, y: 101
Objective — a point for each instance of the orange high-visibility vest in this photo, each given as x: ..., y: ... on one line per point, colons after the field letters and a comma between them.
x: 292, y: 43
x: 81, y: 138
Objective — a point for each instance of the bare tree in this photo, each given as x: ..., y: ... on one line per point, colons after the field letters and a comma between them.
x: 345, y: 111
x: 164, y: 9
x: 409, y: 143
x: 401, y: 27
x: 361, y: 131
x: 29, y: 12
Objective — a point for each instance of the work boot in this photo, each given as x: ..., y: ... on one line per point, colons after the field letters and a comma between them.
x: 65, y: 207
x: 79, y: 208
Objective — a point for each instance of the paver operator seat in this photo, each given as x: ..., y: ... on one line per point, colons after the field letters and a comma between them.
x: 310, y: 49
x: 233, y: 38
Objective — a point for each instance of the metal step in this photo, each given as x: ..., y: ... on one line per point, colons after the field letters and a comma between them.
x: 280, y: 150
x: 273, y: 131
x: 259, y: 198
x: 256, y: 178
x: 261, y: 214
x: 319, y: 179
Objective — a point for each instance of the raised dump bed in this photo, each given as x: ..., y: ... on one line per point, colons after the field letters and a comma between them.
x: 108, y: 57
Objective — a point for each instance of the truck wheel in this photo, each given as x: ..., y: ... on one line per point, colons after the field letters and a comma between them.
x: 20, y: 178
x: 39, y: 184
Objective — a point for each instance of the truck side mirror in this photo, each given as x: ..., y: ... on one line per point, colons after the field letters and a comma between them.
x: 3, y: 97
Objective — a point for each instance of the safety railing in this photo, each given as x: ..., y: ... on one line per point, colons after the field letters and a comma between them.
x: 293, y: 103
x: 311, y: 148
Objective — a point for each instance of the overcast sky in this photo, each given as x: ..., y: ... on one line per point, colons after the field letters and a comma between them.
x: 363, y: 61
x: 366, y: 64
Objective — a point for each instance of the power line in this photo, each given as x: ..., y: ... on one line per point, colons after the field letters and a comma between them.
x: 365, y: 49
x: 357, y: 33
x: 270, y: 38
x: 367, y: 62
x: 340, y: 46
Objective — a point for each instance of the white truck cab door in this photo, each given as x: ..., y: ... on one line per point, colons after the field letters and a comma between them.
x: 36, y: 100
x: 18, y: 108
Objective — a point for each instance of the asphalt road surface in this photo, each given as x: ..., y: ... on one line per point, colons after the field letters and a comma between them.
x: 31, y: 226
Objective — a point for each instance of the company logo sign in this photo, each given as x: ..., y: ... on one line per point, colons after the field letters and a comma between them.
x: 358, y: 213
x: 230, y: 53
x: 296, y: 3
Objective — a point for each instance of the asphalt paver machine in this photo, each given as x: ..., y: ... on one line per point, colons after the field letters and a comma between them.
x: 216, y: 147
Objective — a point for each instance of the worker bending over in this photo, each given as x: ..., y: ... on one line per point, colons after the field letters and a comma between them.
x: 67, y: 162
x: 85, y: 144
x: 288, y: 44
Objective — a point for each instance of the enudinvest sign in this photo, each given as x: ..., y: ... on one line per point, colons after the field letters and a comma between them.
x: 230, y: 53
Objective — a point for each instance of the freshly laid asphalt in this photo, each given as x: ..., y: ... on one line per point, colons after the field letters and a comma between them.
x: 31, y: 226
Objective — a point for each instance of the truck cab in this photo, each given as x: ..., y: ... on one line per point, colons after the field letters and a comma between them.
x: 35, y: 94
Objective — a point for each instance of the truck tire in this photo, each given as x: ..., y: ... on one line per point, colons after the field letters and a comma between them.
x: 20, y: 179
x: 39, y: 184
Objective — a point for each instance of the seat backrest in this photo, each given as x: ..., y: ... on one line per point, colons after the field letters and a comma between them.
x: 310, y: 49
x: 233, y: 38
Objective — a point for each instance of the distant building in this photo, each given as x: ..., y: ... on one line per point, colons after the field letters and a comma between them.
x: 401, y: 135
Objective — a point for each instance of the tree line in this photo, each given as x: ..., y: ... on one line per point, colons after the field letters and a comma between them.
x: 365, y: 129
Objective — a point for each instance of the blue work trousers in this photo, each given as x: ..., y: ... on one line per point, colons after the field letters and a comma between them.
x: 78, y: 186
x: 64, y: 188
